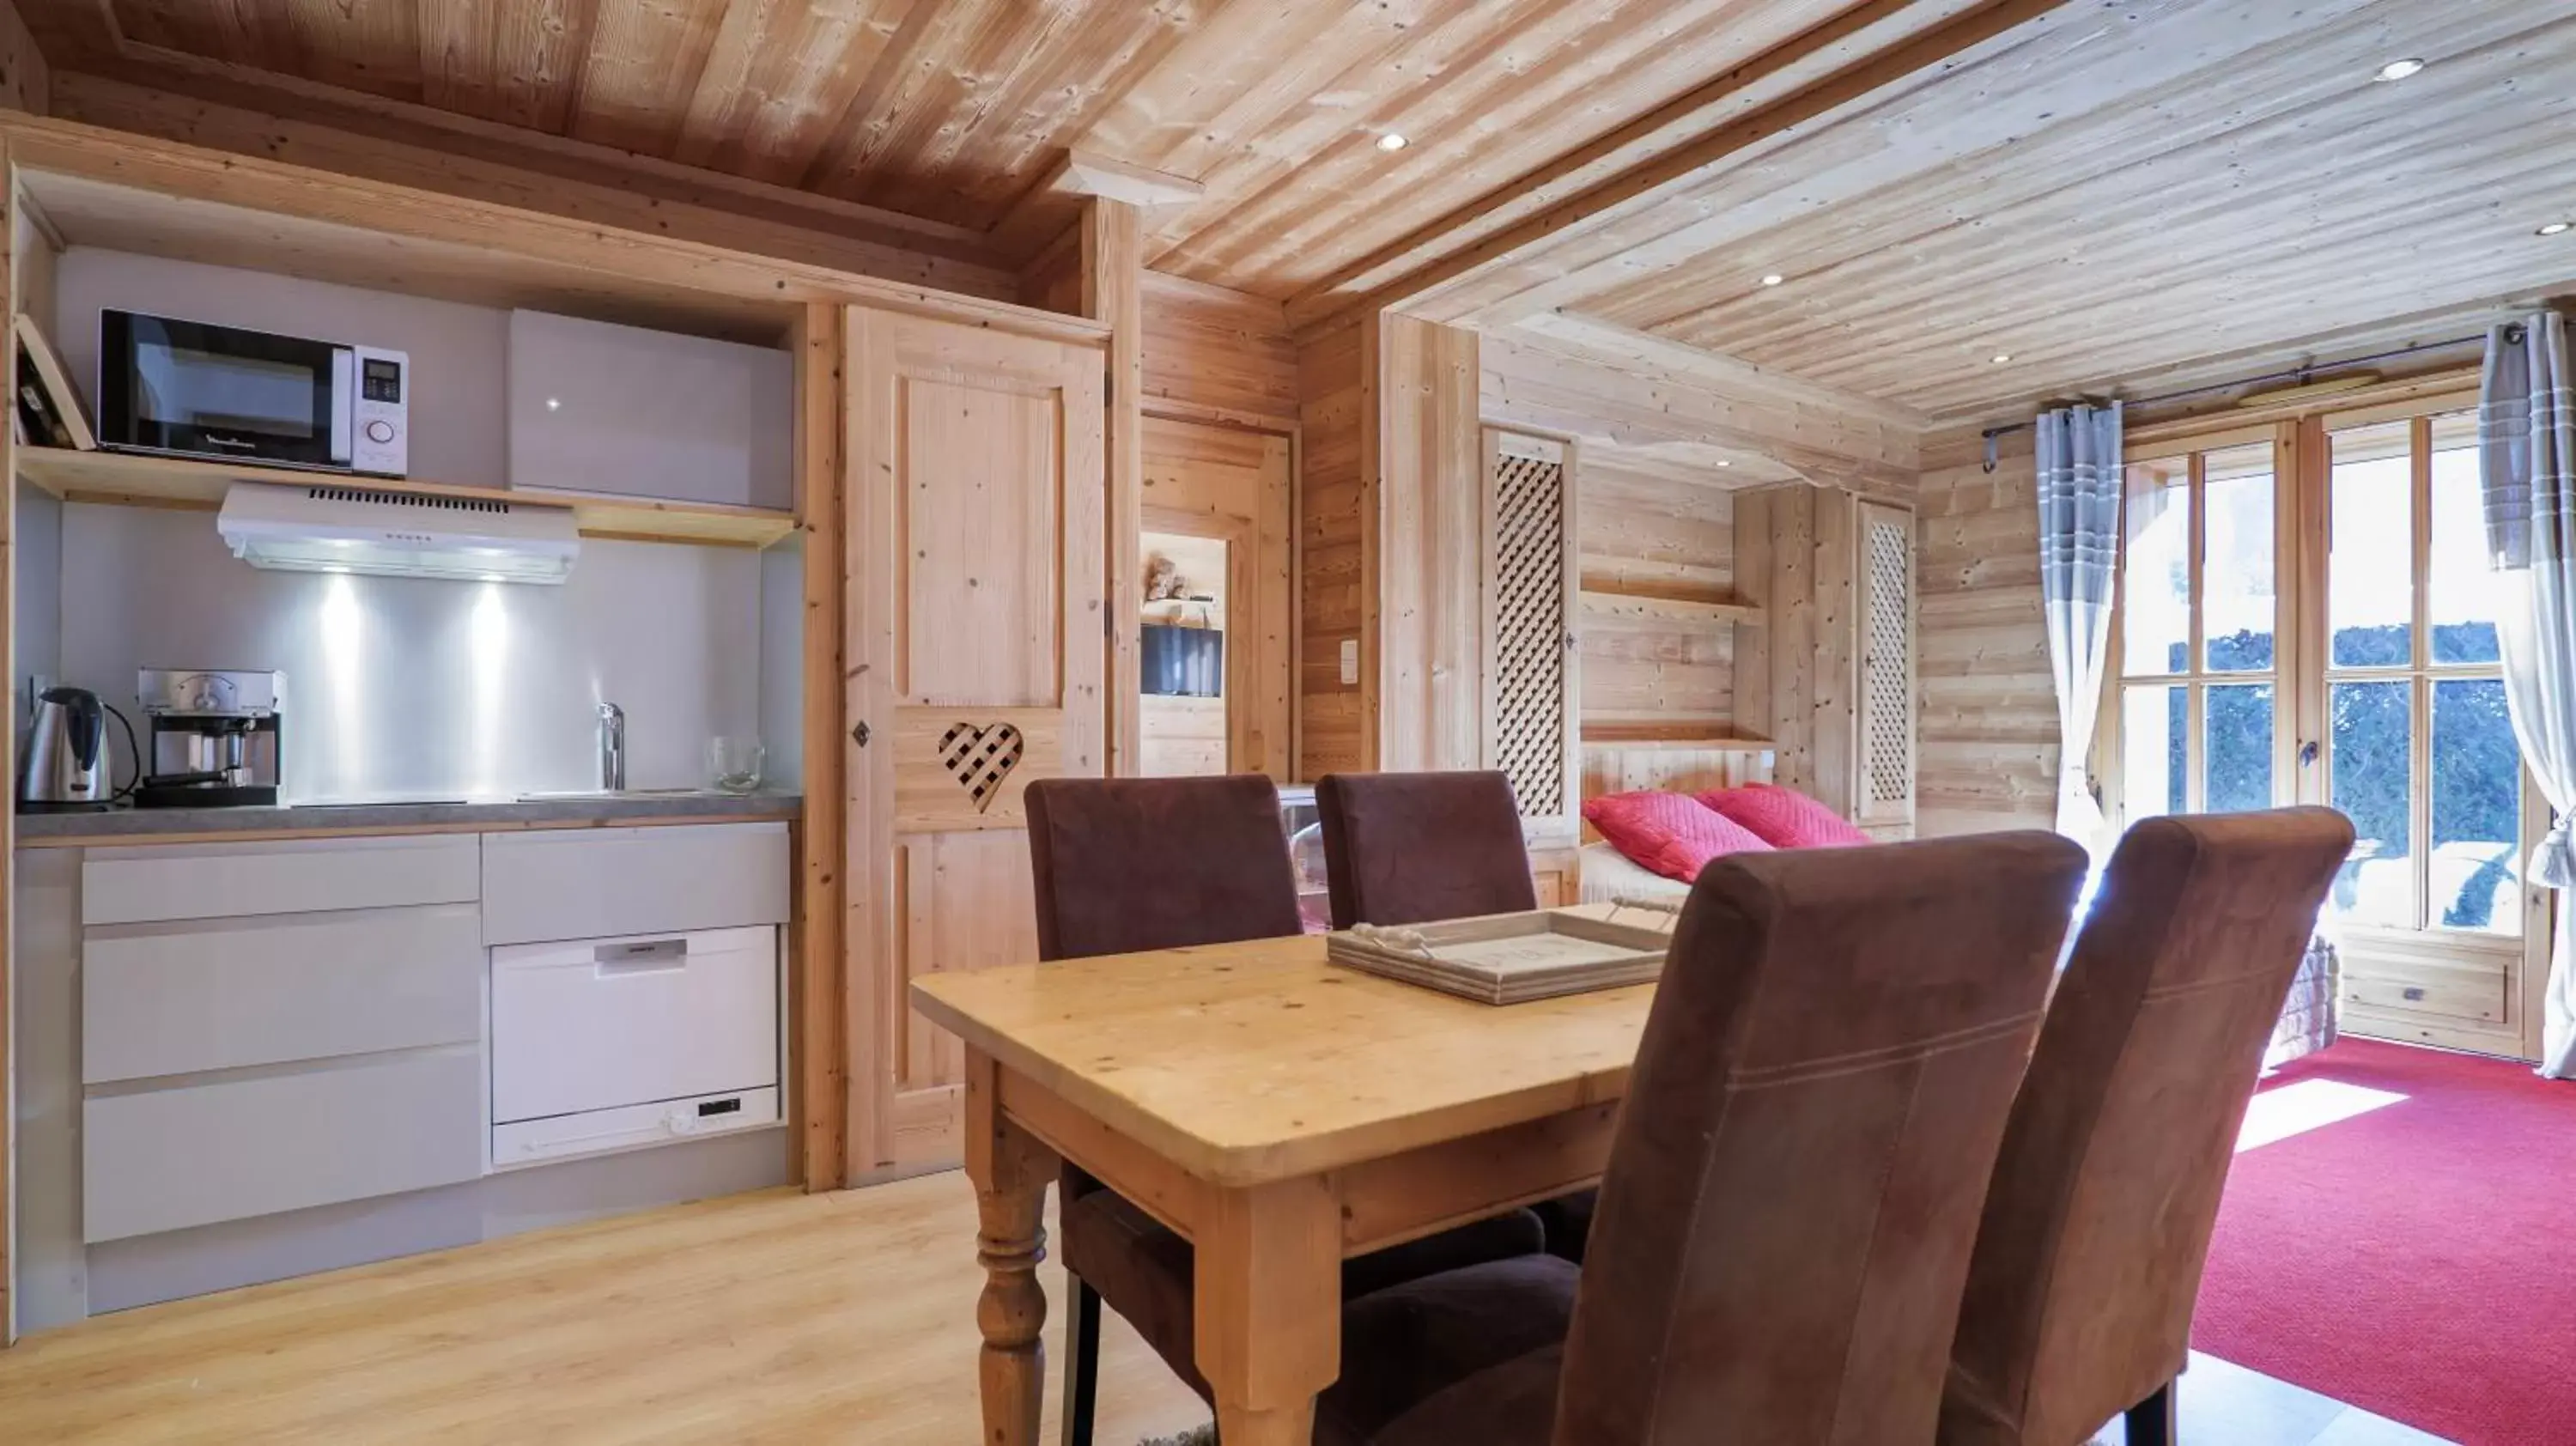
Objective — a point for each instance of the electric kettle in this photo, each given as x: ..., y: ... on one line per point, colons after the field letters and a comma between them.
x: 66, y: 764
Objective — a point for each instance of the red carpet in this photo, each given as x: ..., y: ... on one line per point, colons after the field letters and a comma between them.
x: 2418, y: 1261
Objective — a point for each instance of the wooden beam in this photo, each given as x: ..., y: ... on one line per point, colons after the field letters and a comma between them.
x: 1113, y: 292
x: 819, y: 1005
x: 1720, y: 372
x: 278, y: 118
x: 1547, y: 205
x: 1085, y: 173
x: 1430, y: 574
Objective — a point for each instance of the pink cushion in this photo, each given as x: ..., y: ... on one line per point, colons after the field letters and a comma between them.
x: 1669, y: 833
x: 1783, y: 817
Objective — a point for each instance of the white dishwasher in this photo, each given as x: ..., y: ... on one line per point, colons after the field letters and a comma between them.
x: 608, y: 1044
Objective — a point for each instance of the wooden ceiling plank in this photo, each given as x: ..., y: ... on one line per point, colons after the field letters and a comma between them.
x: 370, y: 45
x: 2009, y: 190
x: 1646, y: 351
x: 1484, y: 122
x: 773, y: 93
x: 1641, y: 183
x: 543, y: 47
x: 2315, y: 252
x: 2076, y: 61
x: 907, y: 81
x: 459, y: 56
x: 646, y: 60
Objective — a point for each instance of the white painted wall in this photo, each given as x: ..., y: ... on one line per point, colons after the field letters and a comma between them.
x: 459, y: 377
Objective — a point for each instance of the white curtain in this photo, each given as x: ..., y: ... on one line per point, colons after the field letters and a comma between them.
x: 2079, y: 546
x: 2527, y: 471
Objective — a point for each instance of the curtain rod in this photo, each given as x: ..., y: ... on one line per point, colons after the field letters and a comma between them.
x: 2513, y: 332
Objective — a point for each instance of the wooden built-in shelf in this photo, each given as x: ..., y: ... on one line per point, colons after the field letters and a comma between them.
x: 1671, y: 740
x: 118, y: 477
x: 1638, y: 602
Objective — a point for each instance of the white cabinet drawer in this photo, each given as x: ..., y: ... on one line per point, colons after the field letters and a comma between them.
x: 614, y: 882
x: 169, y: 1159
x: 289, y: 876
x: 221, y: 994
x: 604, y: 1023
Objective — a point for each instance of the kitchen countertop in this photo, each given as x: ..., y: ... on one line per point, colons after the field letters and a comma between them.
x: 152, y: 825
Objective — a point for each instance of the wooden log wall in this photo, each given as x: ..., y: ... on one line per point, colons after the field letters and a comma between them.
x: 1987, y: 755
x: 1337, y: 551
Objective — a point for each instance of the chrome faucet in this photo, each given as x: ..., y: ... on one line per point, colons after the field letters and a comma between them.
x: 612, y: 748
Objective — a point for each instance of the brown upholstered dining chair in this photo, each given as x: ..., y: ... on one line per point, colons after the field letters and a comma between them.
x: 1793, y: 1185
x: 2079, y: 1299
x: 1130, y: 864
x: 1402, y: 848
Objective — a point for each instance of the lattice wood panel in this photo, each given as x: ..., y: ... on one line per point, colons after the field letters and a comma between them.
x: 1887, y: 674
x: 1527, y: 575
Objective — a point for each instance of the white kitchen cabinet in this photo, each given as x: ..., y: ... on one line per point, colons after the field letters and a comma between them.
x: 156, y: 882
x: 615, y: 883
x: 228, y: 993
x: 597, y: 407
x: 167, y: 1159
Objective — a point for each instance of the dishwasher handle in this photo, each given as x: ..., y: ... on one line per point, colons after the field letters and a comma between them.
x: 648, y: 956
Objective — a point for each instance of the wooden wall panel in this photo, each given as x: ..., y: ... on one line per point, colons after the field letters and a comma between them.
x: 1642, y: 525
x: 1987, y: 730
x: 1336, y: 550
x: 1217, y: 355
x: 1431, y: 569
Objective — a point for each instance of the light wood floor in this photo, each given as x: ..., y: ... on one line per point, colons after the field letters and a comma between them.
x: 774, y: 1317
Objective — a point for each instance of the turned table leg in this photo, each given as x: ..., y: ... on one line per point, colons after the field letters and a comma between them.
x: 1270, y: 1309
x: 1010, y: 1172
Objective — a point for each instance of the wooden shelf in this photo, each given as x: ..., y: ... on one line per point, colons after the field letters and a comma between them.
x: 117, y: 477
x: 1635, y: 603
x: 1667, y: 740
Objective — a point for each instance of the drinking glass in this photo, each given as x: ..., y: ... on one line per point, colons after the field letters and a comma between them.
x: 733, y: 763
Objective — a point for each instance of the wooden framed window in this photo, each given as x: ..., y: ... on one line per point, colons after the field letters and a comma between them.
x: 2304, y: 615
x: 2198, y: 712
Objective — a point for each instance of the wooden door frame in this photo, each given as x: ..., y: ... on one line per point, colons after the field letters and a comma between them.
x: 1241, y: 537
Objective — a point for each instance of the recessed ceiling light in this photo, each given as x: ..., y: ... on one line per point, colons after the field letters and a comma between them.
x: 1774, y: 279
x: 2001, y: 357
x: 2557, y: 228
x: 1392, y: 141
x: 2399, y: 69
x: 1722, y: 462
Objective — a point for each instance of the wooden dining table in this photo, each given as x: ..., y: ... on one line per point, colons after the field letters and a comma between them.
x: 1280, y: 1112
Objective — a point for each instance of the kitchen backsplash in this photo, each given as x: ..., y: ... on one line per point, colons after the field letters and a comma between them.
x: 407, y: 687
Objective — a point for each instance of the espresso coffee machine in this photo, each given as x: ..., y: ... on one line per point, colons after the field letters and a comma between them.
x: 214, y: 738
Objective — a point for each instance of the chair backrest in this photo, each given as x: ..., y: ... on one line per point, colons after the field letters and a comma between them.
x: 1402, y: 848
x: 1125, y: 864
x: 2088, y: 1260
x: 1792, y: 1190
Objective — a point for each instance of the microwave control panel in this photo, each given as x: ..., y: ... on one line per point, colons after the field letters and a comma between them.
x: 380, y: 413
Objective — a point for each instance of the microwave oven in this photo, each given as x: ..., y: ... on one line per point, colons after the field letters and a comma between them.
x: 188, y: 389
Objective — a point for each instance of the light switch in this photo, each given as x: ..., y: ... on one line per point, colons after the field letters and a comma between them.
x: 1351, y: 661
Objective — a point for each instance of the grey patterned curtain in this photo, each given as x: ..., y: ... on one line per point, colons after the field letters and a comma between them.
x: 2079, y: 546
x: 2527, y: 472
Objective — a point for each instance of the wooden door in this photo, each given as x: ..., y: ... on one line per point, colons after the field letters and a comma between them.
x: 977, y: 651
x: 1230, y: 485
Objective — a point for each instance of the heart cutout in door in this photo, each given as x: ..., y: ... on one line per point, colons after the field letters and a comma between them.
x: 979, y: 758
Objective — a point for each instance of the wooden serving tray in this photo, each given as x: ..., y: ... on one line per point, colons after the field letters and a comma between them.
x: 1506, y: 958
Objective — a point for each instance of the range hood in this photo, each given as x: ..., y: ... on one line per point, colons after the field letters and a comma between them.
x: 328, y: 527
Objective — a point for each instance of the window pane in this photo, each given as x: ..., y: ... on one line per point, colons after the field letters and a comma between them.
x: 2372, y: 732
x: 2152, y: 733
x: 2465, y: 602
x: 2236, y: 570
x: 2370, y: 563
x: 2155, y: 578
x: 2477, y: 786
x: 2237, y: 746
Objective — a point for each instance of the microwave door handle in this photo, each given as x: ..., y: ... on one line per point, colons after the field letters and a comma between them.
x: 344, y: 397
